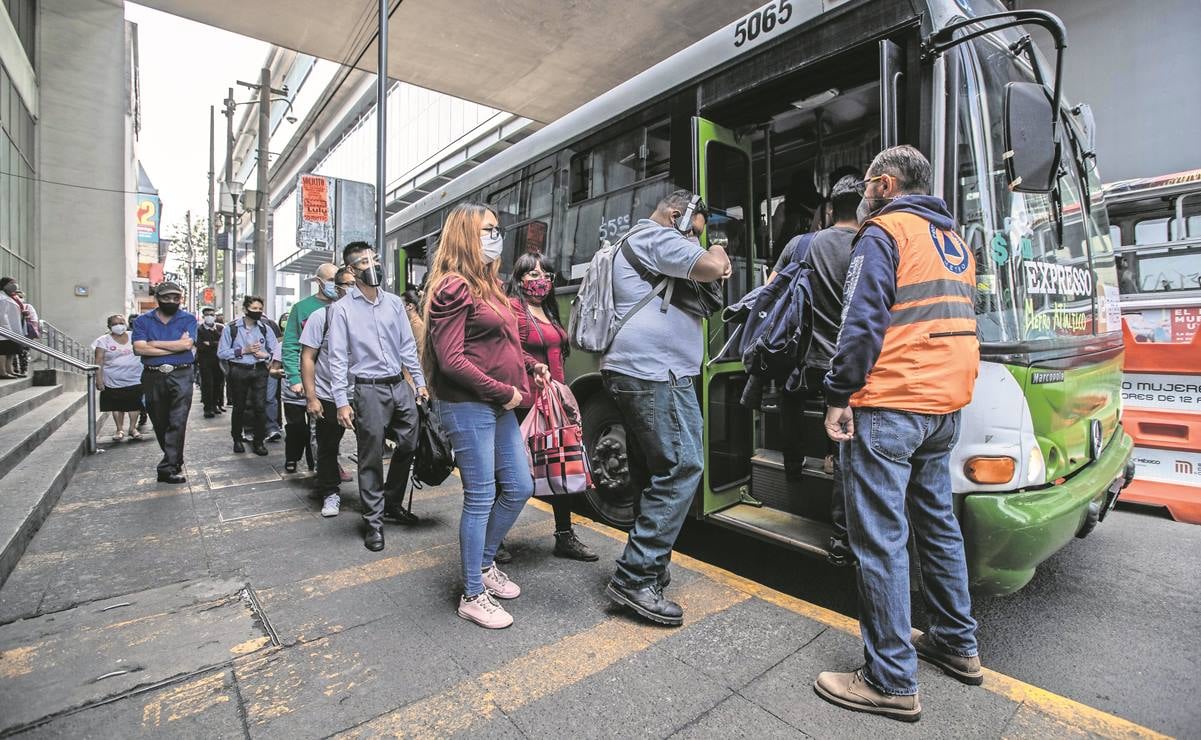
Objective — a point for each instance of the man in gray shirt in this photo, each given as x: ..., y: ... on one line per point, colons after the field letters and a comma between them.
x: 370, y: 342
x: 648, y: 371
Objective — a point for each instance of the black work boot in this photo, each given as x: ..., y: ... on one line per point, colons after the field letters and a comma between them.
x: 648, y: 602
x: 567, y: 545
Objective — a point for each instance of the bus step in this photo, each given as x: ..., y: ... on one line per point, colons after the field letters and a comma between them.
x: 779, y: 527
x: 774, y: 460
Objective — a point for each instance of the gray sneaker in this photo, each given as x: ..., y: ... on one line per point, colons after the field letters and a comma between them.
x: 332, y: 505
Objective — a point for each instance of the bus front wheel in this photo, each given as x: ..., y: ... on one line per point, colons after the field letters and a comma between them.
x: 618, y: 472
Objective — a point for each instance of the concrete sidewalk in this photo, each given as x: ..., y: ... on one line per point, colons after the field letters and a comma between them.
x: 229, y: 607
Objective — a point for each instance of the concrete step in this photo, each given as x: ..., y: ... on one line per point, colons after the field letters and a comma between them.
x: 17, y: 404
x: 31, y: 487
x: 12, y: 386
x: 22, y: 436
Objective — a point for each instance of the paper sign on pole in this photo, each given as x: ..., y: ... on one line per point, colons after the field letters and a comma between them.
x: 314, y: 193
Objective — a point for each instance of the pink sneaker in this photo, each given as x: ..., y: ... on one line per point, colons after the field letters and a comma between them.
x: 484, y: 611
x: 344, y: 474
x: 499, y: 585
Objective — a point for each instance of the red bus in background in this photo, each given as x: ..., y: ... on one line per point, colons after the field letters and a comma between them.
x: 1155, y: 225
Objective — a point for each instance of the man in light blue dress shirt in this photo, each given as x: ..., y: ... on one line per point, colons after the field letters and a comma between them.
x: 370, y: 343
x: 247, y: 345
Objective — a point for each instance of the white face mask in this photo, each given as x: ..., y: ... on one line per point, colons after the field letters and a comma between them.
x: 492, y: 247
x: 117, y: 329
x: 210, y: 320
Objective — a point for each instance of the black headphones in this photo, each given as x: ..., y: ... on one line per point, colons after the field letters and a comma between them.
x: 684, y: 225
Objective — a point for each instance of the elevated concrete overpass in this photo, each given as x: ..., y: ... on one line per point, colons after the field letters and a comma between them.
x: 537, y: 59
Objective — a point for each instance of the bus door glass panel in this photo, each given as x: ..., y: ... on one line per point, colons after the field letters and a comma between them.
x: 722, y: 166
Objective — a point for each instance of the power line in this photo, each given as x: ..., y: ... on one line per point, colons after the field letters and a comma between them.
x: 75, y: 185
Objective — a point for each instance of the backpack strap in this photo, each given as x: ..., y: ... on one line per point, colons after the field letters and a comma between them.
x: 657, y: 290
x: 645, y: 274
x: 801, y: 251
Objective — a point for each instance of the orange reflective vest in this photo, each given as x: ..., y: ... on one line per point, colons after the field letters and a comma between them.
x: 930, y: 356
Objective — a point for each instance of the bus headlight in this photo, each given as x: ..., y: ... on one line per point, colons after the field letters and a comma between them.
x: 989, y: 470
x: 1036, y: 471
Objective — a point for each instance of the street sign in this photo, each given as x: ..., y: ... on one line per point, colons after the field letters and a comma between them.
x: 332, y: 212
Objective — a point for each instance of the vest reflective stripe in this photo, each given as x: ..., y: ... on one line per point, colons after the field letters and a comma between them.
x: 934, y: 288
x: 933, y: 312
x: 930, y: 355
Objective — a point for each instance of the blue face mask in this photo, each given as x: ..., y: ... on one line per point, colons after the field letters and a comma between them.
x: 329, y: 290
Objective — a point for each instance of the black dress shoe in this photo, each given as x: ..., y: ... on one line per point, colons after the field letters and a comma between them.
x: 290, y: 466
x: 238, y: 446
x: 374, y: 540
x: 648, y: 602
x: 171, y: 478
x: 260, y: 449
x: 400, y: 515
x: 209, y: 414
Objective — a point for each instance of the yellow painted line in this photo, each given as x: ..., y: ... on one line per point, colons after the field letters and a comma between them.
x: 389, y: 567
x: 1058, y: 707
x: 543, y: 671
x: 185, y: 700
x: 17, y: 661
x: 67, y: 508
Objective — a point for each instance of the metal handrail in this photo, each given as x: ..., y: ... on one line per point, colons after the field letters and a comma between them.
x: 87, y: 368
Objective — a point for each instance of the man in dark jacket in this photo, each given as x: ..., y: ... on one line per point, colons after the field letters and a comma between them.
x: 905, y: 364
x: 212, y: 379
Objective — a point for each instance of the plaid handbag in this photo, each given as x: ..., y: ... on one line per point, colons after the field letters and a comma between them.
x: 555, y: 439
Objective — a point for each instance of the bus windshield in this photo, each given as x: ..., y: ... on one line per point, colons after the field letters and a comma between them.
x: 1033, y: 287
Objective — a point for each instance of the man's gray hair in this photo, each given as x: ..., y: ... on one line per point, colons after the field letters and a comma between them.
x: 909, y: 166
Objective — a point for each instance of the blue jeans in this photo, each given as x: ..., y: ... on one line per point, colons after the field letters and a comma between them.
x: 898, y: 461
x: 489, y: 450
x: 663, y: 419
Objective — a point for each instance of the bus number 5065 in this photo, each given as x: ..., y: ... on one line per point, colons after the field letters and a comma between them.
x: 762, y: 21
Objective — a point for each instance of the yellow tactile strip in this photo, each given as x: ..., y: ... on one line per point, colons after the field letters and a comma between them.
x: 1079, y: 716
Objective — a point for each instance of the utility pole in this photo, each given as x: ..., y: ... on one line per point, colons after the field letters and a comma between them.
x: 262, y: 266
x: 381, y: 144
x: 231, y: 235
x: 191, y: 268
x: 210, y: 273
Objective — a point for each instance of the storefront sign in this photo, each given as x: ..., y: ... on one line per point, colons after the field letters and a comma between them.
x: 147, y: 215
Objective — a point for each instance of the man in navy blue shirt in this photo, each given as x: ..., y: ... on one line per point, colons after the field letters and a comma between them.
x: 164, y: 339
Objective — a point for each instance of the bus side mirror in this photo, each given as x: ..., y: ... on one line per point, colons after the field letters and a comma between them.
x: 1032, y: 156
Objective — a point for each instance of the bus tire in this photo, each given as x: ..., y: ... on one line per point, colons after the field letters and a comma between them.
x: 618, y: 472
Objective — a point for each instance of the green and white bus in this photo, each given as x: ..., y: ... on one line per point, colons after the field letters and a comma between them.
x: 785, y: 97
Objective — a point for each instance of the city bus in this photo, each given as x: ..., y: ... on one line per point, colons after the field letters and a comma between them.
x: 1155, y: 226
x: 777, y: 105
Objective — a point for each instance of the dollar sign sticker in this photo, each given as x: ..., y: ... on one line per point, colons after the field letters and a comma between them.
x: 1000, y: 251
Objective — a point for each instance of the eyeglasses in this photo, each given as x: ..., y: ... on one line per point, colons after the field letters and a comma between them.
x: 495, y: 232
x: 861, y: 186
x: 535, y: 274
x: 346, y: 285
x: 365, y: 261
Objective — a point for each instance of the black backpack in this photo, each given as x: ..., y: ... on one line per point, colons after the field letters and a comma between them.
x: 434, y: 458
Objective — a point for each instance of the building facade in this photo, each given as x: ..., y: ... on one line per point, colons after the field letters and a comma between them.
x: 69, y: 114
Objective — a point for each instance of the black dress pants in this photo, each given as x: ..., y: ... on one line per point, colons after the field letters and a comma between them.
x: 211, y: 382
x: 248, y: 393
x: 168, y: 401
x: 329, y: 438
x: 297, y: 434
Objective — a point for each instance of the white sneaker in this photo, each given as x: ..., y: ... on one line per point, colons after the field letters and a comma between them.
x: 499, y: 585
x: 332, y: 505
x: 484, y: 611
